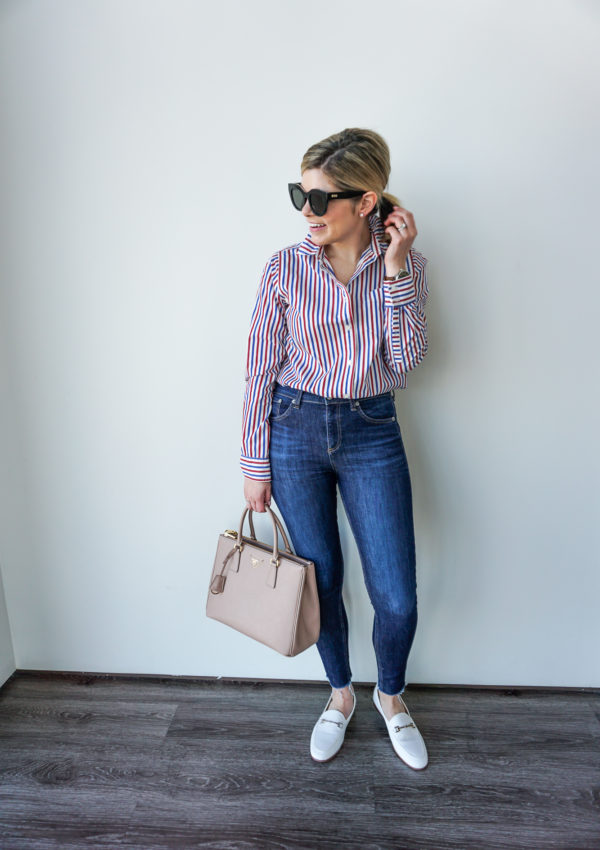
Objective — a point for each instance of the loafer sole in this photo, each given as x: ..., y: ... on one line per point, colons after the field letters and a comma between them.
x: 324, y: 761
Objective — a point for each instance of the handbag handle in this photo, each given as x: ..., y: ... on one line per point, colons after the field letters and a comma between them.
x: 276, y: 525
x: 279, y: 526
x: 218, y: 582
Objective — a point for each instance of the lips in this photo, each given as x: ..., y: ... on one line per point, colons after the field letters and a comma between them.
x: 317, y: 226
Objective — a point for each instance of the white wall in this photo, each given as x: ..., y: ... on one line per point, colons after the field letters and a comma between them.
x: 147, y: 153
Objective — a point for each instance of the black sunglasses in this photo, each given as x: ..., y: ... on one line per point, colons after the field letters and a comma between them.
x: 317, y: 198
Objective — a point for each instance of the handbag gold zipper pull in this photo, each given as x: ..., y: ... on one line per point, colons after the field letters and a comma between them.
x: 230, y: 533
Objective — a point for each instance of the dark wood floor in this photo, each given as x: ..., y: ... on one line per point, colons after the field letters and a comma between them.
x: 109, y: 763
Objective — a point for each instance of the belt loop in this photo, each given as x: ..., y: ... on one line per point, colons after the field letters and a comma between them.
x: 298, y: 399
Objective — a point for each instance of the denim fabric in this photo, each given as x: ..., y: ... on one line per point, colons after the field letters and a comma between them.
x: 316, y: 445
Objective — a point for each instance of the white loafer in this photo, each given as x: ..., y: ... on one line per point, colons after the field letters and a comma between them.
x: 329, y: 731
x: 405, y: 737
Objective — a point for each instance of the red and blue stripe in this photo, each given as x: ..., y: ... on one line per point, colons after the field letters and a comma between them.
x: 312, y: 333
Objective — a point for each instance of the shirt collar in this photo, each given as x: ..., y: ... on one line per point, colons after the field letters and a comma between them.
x: 377, y: 248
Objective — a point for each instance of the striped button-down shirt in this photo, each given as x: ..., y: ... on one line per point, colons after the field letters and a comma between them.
x: 313, y: 333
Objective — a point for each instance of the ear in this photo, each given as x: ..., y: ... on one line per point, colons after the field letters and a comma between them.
x: 368, y: 202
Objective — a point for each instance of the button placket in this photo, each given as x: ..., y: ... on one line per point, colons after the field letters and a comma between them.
x: 350, y: 345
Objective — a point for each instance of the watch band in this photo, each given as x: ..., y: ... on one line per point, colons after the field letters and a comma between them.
x: 400, y: 276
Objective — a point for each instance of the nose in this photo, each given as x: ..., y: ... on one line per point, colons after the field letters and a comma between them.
x: 306, y: 210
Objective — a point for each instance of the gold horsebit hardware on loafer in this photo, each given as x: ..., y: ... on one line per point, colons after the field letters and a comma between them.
x: 406, y: 725
x: 327, y: 720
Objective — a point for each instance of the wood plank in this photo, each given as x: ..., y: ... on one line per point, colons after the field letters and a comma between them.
x: 152, y: 765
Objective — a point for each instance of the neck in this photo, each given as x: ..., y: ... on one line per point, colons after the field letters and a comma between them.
x: 350, y: 249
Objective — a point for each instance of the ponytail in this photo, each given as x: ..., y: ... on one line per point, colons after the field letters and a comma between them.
x: 385, y: 206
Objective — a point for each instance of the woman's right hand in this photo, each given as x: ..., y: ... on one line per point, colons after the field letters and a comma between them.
x: 257, y: 494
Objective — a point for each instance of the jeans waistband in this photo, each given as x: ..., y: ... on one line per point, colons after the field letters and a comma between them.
x: 311, y: 398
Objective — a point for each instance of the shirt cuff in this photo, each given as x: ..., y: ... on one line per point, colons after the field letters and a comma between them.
x: 257, y: 468
x: 398, y: 293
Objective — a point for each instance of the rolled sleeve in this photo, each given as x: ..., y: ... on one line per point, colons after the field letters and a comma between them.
x: 405, y: 323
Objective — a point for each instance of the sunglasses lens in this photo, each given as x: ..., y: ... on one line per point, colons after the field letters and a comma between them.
x: 297, y: 196
x: 318, y: 201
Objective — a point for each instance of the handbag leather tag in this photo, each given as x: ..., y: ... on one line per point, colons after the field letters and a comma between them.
x: 218, y: 584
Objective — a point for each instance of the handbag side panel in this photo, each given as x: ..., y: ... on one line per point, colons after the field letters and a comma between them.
x: 309, y: 619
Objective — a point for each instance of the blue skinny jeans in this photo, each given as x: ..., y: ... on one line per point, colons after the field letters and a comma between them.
x: 316, y: 445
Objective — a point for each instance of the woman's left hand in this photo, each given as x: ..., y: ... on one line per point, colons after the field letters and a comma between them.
x: 402, y: 238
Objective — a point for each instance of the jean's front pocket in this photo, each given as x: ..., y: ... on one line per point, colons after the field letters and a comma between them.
x: 379, y: 410
x: 281, y: 407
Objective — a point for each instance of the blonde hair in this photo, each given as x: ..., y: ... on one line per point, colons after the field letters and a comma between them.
x: 355, y: 159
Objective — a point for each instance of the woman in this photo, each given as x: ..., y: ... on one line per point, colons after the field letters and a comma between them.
x: 337, y: 323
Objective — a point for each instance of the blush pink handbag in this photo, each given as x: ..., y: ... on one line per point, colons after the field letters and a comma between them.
x: 265, y: 594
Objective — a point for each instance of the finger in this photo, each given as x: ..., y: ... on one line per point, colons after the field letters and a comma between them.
x: 401, y: 216
x: 397, y: 221
x: 408, y: 219
x: 399, y: 236
x: 405, y: 230
x: 401, y: 210
x: 394, y: 234
x: 401, y: 221
x: 405, y: 213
